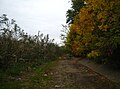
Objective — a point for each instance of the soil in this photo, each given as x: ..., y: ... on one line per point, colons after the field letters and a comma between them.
x: 110, y: 73
x: 71, y: 74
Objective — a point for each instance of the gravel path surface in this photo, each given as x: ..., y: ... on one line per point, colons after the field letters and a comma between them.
x: 71, y: 74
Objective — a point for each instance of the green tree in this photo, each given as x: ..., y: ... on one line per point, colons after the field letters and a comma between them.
x: 71, y: 13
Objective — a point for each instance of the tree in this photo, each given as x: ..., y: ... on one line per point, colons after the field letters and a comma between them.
x: 95, y: 31
x: 71, y: 13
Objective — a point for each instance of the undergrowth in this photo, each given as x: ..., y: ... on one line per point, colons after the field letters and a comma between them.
x: 26, y: 76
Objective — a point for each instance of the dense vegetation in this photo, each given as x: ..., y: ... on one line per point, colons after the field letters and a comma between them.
x: 95, y: 30
x: 22, y: 53
x: 18, y: 46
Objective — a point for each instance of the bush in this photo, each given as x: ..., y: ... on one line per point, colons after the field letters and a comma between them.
x: 15, y: 45
x: 94, y: 54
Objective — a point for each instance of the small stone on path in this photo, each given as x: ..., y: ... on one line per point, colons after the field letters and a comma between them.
x: 57, y: 86
x: 45, y: 75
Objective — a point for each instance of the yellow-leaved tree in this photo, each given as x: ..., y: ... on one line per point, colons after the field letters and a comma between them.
x: 95, y: 31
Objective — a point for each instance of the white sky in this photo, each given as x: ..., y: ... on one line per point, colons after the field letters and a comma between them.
x: 37, y: 15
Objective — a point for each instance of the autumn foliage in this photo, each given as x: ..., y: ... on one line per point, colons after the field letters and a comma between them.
x: 95, y: 32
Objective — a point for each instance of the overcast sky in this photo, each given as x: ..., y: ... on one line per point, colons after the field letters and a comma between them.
x: 37, y: 15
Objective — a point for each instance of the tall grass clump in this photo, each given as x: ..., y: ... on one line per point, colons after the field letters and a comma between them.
x: 16, y: 46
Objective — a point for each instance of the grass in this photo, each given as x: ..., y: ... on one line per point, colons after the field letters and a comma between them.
x: 26, y: 76
x: 42, y: 78
x: 10, y: 77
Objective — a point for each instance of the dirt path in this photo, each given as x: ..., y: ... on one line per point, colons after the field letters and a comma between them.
x: 110, y: 73
x: 69, y: 74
